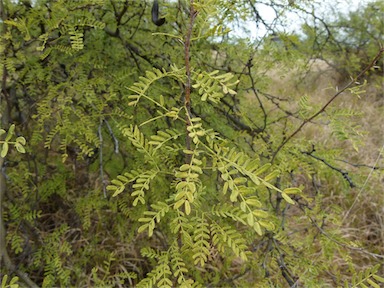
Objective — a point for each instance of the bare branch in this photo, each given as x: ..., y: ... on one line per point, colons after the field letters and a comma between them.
x: 322, y: 109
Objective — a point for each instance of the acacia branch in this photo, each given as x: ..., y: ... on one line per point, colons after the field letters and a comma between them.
x: 322, y: 109
x: 187, y: 99
x: 253, y: 85
x: 10, y: 267
x: 342, y: 172
x: 101, y: 159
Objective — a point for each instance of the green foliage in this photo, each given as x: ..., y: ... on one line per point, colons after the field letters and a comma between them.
x: 52, y: 257
x: 13, y: 283
x: 367, y: 278
x: 146, y: 166
x: 212, y: 86
x: 19, y: 142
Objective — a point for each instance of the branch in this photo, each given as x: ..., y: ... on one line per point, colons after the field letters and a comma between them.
x: 115, y: 140
x: 253, y: 85
x: 342, y: 172
x: 132, y: 48
x: 358, y: 249
x: 366, y: 181
x: 287, y: 274
x: 187, y: 99
x: 350, y: 84
x: 361, y: 165
x: 101, y: 158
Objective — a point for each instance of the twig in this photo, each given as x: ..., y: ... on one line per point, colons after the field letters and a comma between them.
x: 287, y: 274
x: 253, y: 85
x: 115, y: 140
x: 342, y: 172
x: 359, y: 249
x: 348, y: 85
x: 365, y: 183
x: 187, y: 99
x: 361, y: 165
x: 101, y: 158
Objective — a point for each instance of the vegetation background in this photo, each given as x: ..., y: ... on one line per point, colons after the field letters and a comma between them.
x: 185, y: 155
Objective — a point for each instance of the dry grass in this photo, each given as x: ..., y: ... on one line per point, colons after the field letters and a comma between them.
x: 362, y: 207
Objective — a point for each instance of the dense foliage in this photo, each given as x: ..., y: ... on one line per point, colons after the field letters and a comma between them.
x: 155, y: 155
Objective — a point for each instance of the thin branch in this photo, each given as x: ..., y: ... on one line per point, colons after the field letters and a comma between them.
x: 359, y: 249
x: 253, y: 87
x: 342, y: 172
x: 115, y: 140
x: 101, y: 159
x: 187, y: 99
x: 361, y: 165
x: 287, y: 274
x: 348, y: 85
x: 132, y: 48
x: 365, y: 183
x: 4, y: 256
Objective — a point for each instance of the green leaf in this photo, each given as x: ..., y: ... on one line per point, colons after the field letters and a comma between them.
x: 378, y: 278
x: 11, y: 131
x: 373, y: 284
x: 250, y: 219
x: 20, y: 148
x: 243, y: 206
x: 262, y: 169
x: 135, y: 202
x: 267, y: 225
x: 21, y: 140
x: 253, y: 202
x: 142, y: 228
x: 225, y: 188
x: 197, y: 169
x: 187, y: 207
x: 184, y: 167
x: 181, y: 174
x: 119, y: 183
x: 181, y: 185
x: 254, y: 179
x: 260, y: 213
x: 145, y: 219
x: 257, y: 228
x: 179, y: 203
x: 272, y: 175
x: 287, y: 198
x: 189, y: 196
x: 4, y: 281
x: 292, y: 190
x: 4, y: 150
x: 234, y: 195
x: 123, y: 178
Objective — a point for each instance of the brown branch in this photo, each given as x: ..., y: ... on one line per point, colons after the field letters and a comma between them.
x: 255, y: 92
x: 285, y: 272
x: 187, y: 99
x: 348, y: 85
x: 10, y: 267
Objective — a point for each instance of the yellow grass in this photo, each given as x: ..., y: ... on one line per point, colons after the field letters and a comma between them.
x: 362, y: 206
